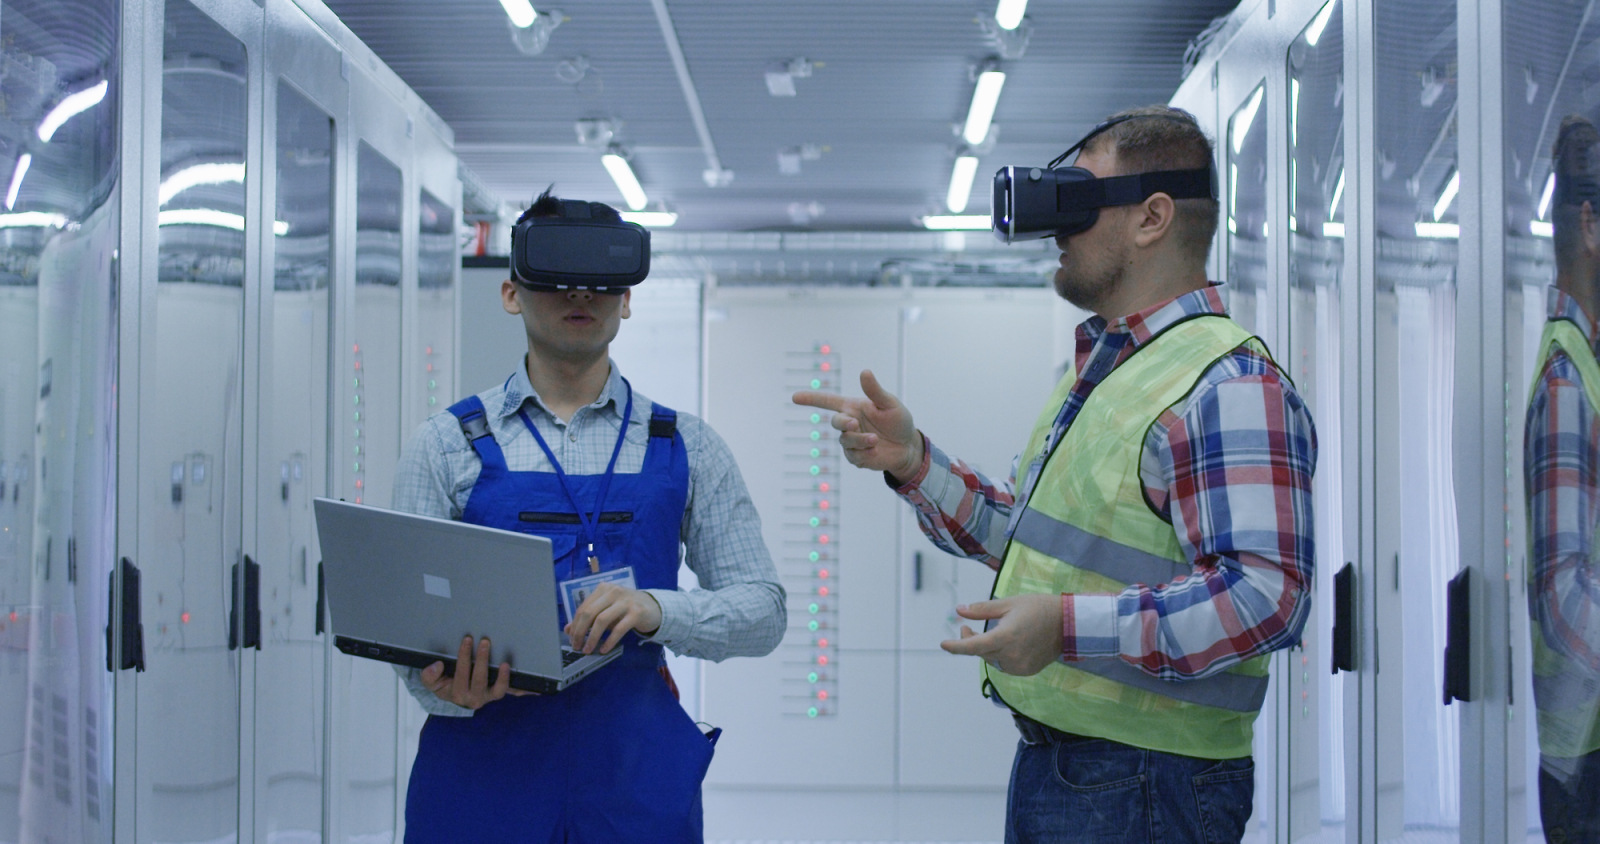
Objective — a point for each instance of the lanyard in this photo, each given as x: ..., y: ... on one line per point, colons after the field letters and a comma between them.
x: 591, y: 523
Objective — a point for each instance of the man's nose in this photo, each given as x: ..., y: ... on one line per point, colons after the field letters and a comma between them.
x: 580, y: 294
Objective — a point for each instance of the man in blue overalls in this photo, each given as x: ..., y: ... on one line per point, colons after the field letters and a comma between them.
x: 566, y: 448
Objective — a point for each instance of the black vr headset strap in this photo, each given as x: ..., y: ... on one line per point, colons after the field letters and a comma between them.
x: 1133, y: 189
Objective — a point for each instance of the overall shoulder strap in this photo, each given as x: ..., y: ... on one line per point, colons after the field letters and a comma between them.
x: 474, y: 421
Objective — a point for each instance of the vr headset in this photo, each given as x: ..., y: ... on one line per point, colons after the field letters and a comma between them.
x: 578, y: 251
x: 1033, y: 202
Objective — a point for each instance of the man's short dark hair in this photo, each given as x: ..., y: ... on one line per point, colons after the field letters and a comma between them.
x: 1174, y: 141
x: 1574, y: 162
x: 549, y: 205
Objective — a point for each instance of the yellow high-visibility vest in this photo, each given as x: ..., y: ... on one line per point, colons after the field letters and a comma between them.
x: 1088, y: 528
x: 1566, y: 695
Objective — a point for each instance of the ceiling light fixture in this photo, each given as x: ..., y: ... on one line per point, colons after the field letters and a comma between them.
x: 1549, y: 191
x: 961, y: 175
x: 521, y: 12
x: 956, y: 222
x: 1541, y: 228
x: 199, y: 174
x: 985, y: 96
x: 1319, y: 23
x: 211, y: 217
x: 33, y: 219
x: 632, y: 192
x: 1439, y: 230
x: 70, y: 106
x: 1447, y: 196
x: 24, y: 161
x: 651, y: 219
x: 1009, y: 13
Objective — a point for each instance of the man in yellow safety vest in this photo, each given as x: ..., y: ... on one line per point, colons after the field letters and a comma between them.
x: 1154, y: 542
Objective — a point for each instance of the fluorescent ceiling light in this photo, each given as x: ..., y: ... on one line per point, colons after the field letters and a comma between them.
x: 622, y: 174
x: 1245, y: 117
x: 33, y: 219
x: 24, y: 161
x: 211, y: 217
x: 1541, y: 228
x: 1439, y: 230
x: 1319, y: 23
x: 1233, y: 188
x: 984, y: 98
x: 1333, y: 229
x: 961, y: 175
x: 71, y: 105
x: 1009, y: 13
x: 1451, y: 188
x: 651, y: 219
x: 1294, y: 112
x: 199, y: 174
x: 1338, y: 194
x: 521, y: 12
x: 956, y: 222
x: 1549, y: 191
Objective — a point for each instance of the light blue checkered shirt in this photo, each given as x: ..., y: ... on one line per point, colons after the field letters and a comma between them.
x: 738, y: 610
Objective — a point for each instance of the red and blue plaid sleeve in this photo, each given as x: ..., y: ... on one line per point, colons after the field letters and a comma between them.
x: 1561, y: 464
x: 959, y: 509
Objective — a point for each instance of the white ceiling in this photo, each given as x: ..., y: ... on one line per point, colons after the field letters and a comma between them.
x: 891, y: 85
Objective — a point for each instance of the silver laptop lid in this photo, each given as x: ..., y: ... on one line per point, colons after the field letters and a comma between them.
x: 421, y: 584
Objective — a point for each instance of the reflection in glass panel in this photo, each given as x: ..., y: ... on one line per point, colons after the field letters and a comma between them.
x: 289, y: 669
x: 436, y: 296
x: 1249, y: 289
x: 190, y: 449
x: 369, y: 401
x: 1418, y: 743
x: 58, y: 237
x: 1316, y: 277
x: 1551, y: 154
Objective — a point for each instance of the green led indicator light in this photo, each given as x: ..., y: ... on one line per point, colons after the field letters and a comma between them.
x: 358, y: 451
x: 816, y: 435
x: 812, y: 677
x: 816, y: 452
x: 813, y: 626
x: 815, y: 521
x: 358, y: 383
x: 812, y: 712
x: 814, y: 556
x: 816, y: 470
x: 432, y: 401
x: 815, y: 418
x: 358, y: 465
x: 432, y: 383
x: 813, y: 609
x: 357, y: 398
x: 358, y: 433
x: 816, y: 383
x: 358, y: 416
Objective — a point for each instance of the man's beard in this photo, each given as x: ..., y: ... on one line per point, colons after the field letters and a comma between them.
x: 1087, y: 287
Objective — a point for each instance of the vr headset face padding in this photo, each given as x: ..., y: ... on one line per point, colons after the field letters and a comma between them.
x: 577, y: 251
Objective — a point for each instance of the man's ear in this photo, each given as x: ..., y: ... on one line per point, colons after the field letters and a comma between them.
x: 627, y: 296
x: 1153, y: 219
x: 508, y: 297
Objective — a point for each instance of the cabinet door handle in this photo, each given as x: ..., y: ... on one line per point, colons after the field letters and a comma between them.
x: 252, y: 606
x: 1458, y: 638
x: 916, y: 571
x: 1344, y: 619
x: 322, y: 601
x: 132, y: 655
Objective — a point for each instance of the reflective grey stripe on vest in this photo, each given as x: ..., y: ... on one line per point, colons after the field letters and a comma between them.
x: 1077, y: 547
x: 1238, y: 692
x: 1566, y: 691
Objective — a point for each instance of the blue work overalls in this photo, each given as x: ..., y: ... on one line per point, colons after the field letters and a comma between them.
x: 614, y: 758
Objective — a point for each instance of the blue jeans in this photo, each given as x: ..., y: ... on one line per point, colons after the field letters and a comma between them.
x: 1102, y: 791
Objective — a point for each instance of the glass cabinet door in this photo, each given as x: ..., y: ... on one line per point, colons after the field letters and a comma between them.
x: 59, y: 230
x: 1417, y: 768
x: 190, y: 448
x: 1314, y: 357
x: 1249, y: 266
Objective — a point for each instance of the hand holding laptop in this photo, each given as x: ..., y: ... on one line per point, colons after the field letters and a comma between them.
x: 469, y: 685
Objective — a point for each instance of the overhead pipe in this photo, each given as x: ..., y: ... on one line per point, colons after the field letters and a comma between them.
x: 714, y: 175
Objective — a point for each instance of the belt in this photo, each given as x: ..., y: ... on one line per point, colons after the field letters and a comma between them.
x: 1035, y: 733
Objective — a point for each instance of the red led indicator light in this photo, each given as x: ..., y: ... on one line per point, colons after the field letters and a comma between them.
x: 430, y: 367
x: 822, y: 694
x: 184, y: 618
x: 360, y: 484
x: 823, y: 505
x: 823, y: 486
x: 13, y: 616
x: 823, y: 591
x: 428, y: 350
x: 826, y: 349
x: 823, y: 539
x: 358, y: 365
x: 823, y: 574
x: 822, y: 660
x: 358, y: 499
x: 356, y: 348
x: 822, y: 643
x: 827, y: 367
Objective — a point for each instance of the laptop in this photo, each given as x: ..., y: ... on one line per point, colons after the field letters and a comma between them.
x: 405, y: 589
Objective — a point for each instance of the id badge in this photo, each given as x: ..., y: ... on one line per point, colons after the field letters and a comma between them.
x: 574, y: 591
